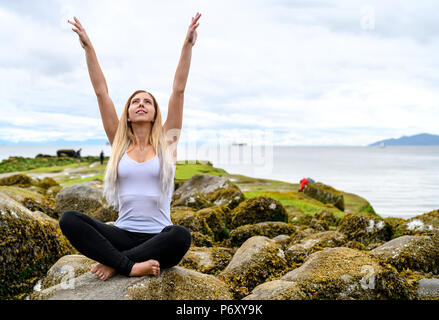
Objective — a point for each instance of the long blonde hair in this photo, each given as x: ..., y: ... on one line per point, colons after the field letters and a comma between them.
x: 124, y: 136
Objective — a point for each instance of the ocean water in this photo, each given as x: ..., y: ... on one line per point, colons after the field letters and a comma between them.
x: 398, y: 181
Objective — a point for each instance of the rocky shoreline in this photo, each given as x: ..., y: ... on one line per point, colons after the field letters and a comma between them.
x: 251, y: 239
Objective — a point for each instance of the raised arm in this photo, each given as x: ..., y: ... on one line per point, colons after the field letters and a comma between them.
x: 174, y: 119
x: 106, y: 106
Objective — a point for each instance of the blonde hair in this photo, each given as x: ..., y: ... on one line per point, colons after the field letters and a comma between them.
x: 164, y: 150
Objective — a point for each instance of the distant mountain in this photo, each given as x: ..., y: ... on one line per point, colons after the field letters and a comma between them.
x: 422, y: 139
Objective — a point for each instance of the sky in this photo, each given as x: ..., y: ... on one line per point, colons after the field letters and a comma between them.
x: 286, y: 72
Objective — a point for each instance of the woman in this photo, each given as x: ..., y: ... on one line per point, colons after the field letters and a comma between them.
x: 139, y: 178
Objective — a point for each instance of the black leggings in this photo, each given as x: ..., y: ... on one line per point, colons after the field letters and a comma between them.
x: 119, y: 248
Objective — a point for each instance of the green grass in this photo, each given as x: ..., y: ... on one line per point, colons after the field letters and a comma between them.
x: 186, y: 171
x: 68, y: 182
x: 295, y: 200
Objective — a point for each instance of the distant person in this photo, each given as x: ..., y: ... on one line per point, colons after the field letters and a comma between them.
x: 143, y: 239
x: 102, y: 157
x: 78, y: 155
x: 304, y: 182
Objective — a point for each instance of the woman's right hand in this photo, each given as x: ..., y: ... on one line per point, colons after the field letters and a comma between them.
x: 83, y: 38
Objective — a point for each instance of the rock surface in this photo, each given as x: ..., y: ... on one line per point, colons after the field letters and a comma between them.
x: 86, y: 199
x: 413, y: 252
x: 258, y: 259
x: 30, y: 242
x: 258, y: 209
x: 175, y: 283
x: 325, y: 194
x: 203, y: 191
x: 336, y: 273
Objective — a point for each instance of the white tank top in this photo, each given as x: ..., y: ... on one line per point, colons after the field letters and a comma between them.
x: 139, y: 190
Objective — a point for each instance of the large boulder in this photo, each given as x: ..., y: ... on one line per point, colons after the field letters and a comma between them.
x: 30, y: 242
x: 366, y: 229
x: 32, y: 200
x: 268, y: 229
x: 325, y: 194
x: 203, y: 191
x: 337, y: 274
x: 82, y: 197
x: 207, y: 260
x: 259, y: 259
x: 424, y: 224
x: 66, y: 268
x: 258, y: 209
x: 410, y: 252
x: 176, y: 283
x: 209, y: 221
x: 20, y: 180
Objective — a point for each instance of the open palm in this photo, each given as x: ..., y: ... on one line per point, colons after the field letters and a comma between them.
x: 192, y: 32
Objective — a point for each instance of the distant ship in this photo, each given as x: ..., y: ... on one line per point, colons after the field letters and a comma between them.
x: 234, y: 143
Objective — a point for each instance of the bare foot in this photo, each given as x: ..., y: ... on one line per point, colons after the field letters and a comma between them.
x: 144, y: 268
x: 103, y: 272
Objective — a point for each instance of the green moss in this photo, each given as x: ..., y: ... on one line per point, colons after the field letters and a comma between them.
x: 269, y: 266
x: 259, y: 209
x: 365, y: 228
x: 41, y: 164
x: 325, y: 194
x: 268, y: 229
x: 29, y: 248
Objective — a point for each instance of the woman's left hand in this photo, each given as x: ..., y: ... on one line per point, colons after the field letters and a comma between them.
x: 192, y: 32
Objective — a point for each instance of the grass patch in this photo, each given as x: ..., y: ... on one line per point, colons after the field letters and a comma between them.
x: 68, y: 182
x: 187, y: 171
x: 295, y: 200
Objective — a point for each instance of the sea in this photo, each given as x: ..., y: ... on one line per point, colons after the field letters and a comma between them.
x: 398, y: 181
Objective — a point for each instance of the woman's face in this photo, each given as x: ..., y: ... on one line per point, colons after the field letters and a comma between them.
x: 141, y: 108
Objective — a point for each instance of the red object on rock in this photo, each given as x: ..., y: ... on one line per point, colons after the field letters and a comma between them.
x: 303, y: 183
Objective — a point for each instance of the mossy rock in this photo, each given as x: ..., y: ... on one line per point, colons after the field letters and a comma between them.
x: 325, y: 194
x: 365, y: 228
x: 282, y: 239
x: 259, y: 259
x: 394, y: 223
x: 301, y: 233
x: 424, y: 224
x: 66, y: 268
x: 300, y: 219
x: 201, y: 240
x: 32, y: 200
x: 207, y: 260
x: 298, y: 252
x: 178, y: 213
x: 268, y: 229
x: 196, y: 200
x: 105, y: 214
x: 176, y: 283
x: 338, y: 274
x: 328, y: 217
x: 53, y: 191
x: 47, y: 182
x: 419, y: 253
x: 208, y: 221
x: 258, y: 209
x: 80, y: 197
x: 19, y: 180
x: 29, y: 244
x: 202, y: 190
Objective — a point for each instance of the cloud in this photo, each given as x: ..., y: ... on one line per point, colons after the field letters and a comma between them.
x: 307, y: 71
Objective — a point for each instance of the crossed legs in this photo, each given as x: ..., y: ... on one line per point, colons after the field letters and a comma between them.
x: 118, y: 250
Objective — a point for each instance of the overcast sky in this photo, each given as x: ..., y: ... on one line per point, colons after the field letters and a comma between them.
x: 300, y: 72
